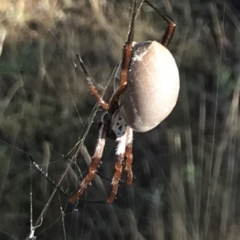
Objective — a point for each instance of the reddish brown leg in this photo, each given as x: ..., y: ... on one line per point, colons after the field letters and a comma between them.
x: 126, y: 59
x: 94, y: 165
x: 127, y: 54
x: 116, y: 178
x: 93, y: 89
x: 129, y: 156
x: 171, y: 26
x: 120, y: 152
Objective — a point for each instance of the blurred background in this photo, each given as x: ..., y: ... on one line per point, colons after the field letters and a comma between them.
x: 186, y: 171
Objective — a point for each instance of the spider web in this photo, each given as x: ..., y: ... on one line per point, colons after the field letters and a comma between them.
x: 160, y: 206
x: 38, y: 226
x: 78, y: 149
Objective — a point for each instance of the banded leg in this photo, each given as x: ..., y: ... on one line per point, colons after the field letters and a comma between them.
x: 118, y: 167
x: 129, y: 155
x: 93, y: 89
x: 126, y: 60
x: 170, y: 29
x: 94, y: 165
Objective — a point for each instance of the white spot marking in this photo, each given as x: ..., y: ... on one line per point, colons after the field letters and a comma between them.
x: 121, y: 144
x: 118, y: 125
x: 138, y: 55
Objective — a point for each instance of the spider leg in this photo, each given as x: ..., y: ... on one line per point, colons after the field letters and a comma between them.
x: 94, y: 165
x: 170, y: 29
x: 93, y: 89
x: 129, y: 155
x: 118, y: 166
x: 126, y: 59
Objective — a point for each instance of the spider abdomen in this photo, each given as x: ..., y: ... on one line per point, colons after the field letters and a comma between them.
x: 152, y: 88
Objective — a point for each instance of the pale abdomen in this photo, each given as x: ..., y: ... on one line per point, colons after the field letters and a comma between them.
x: 153, y: 86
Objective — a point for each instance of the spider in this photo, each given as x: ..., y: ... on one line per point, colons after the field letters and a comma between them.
x: 146, y: 91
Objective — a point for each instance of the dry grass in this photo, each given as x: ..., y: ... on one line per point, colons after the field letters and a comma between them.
x: 186, y: 170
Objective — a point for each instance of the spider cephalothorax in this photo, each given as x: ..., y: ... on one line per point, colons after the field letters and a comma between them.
x: 146, y: 91
x: 114, y: 124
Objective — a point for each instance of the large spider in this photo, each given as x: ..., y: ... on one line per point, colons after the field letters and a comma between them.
x: 146, y: 91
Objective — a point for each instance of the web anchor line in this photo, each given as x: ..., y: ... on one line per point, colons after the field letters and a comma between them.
x: 65, y: 193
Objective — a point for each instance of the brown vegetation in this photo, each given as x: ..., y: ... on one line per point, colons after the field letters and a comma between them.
x: 187, y: 169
